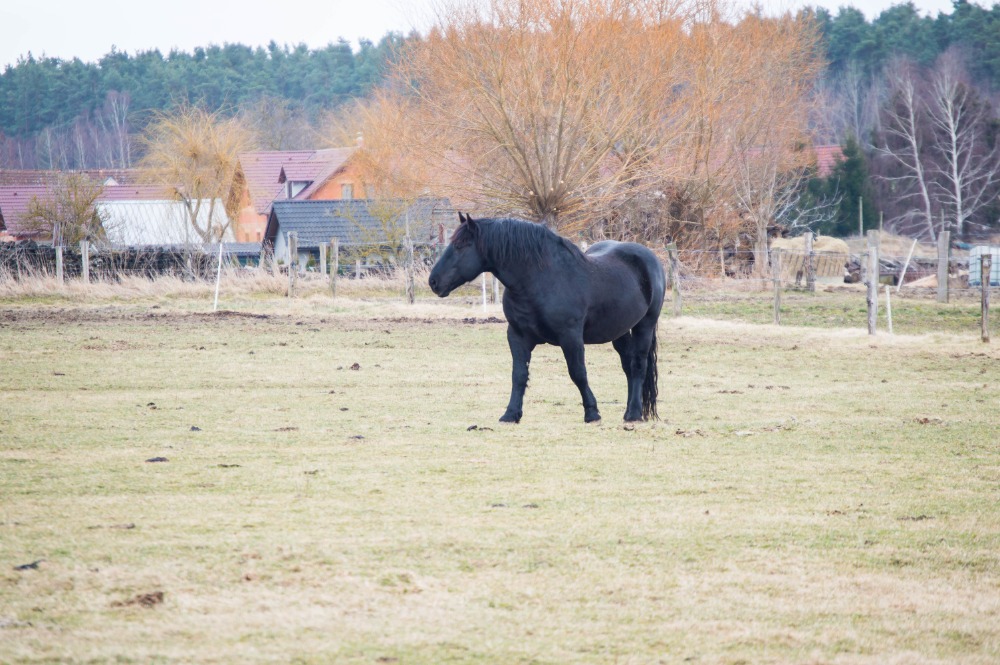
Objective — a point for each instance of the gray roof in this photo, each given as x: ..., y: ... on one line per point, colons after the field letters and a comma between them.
x: 358, y: 221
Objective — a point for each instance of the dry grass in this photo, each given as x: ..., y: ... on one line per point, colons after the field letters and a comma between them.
x: 812, y: 496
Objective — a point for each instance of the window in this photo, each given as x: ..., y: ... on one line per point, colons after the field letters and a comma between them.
x: 347, y: 192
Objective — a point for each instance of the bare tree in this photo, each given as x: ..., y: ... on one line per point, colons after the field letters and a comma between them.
x: 277, y: 125
x: 528, y: 103
x: 116, y: 108
x: 904, y: 146
x: 967, y: 169
x: 196, y: 153
x: 68, y: 213
x: 848, y: 105
x: 746, y: 122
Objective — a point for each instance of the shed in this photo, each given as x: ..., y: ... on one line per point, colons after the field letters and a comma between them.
x: 356, y: 223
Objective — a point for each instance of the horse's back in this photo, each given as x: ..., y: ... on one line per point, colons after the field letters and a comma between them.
x: 612, y: 257
x: 626, y: 285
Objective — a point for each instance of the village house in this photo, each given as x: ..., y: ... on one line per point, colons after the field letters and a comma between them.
x: 264, y: 177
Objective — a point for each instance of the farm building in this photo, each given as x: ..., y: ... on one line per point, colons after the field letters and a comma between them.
x: 363, y: 226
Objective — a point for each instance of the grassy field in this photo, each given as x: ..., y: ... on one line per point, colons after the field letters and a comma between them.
x: 336, y: 489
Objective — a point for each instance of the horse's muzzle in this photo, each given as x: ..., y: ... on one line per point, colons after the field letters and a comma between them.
x: 435, y: 285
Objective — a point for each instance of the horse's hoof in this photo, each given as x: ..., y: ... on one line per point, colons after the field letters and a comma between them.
x: 592, y: 418
x: 512, y: 420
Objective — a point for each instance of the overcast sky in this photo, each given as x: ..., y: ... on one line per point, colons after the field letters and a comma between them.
x: 87, y: 29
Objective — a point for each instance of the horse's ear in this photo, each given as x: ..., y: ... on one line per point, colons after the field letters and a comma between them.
x: 472, y: 225
x: 463, y: 218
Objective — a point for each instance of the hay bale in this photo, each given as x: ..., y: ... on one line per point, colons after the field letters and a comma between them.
x: 831, y: 255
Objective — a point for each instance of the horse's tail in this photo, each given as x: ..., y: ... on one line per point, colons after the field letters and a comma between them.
x: 649, y: 383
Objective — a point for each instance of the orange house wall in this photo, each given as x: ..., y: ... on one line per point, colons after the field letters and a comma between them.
x: 331, y: 189
x: 250, y: 225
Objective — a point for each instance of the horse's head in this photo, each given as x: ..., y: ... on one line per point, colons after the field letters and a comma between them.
x: 461, y: 261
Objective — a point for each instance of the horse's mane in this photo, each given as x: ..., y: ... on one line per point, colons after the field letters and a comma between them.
x: 504, y: 240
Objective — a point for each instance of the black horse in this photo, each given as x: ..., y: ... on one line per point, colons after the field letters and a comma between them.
x: 556, y: 294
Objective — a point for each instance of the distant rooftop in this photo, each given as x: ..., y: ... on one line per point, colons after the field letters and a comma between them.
x: 263, y: 171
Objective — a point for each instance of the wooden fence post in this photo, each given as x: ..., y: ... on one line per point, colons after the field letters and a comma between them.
x: 322, y: 258
x: 986, y: 267
x: 334, y: 265
x: 357, y: 269
x: 673, y: 270
x: 944, y: 249
x: 410, y: 278
x: 85, y: 261
x: 59, y: 264
x: 888, y: 308
x: 776, y: 272
x: 810, y: 263
x: 293, y: 261
x: 873, y: 277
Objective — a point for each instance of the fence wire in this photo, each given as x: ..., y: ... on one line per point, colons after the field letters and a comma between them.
x: 726, y: 285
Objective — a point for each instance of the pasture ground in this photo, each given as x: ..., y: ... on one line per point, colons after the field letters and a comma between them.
x: 337, y: 489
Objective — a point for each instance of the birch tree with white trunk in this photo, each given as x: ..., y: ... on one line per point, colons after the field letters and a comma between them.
x: 966, y: 169
x: 904, y: 145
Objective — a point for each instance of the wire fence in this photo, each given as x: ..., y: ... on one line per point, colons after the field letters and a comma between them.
x: 885, y: 291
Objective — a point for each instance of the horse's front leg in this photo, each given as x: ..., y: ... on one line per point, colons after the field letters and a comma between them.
x: 572, y: 349
x: 520, y: 353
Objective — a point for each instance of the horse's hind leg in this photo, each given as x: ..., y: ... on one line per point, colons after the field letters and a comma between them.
x: 520, y: 353
x: 641, y: 345
x: 623, y: 345
x: 574, y: 354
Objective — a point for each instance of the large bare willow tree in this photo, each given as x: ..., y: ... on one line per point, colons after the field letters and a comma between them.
x: 591, y: 114
x: 541, y: 107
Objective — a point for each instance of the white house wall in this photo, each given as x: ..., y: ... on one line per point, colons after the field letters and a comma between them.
x: 164, y: 222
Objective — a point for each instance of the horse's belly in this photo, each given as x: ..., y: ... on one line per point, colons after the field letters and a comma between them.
x: 606, y: 324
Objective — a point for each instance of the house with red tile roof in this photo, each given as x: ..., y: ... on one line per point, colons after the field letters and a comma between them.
x: 264, y: 177
x: 827, y: 157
